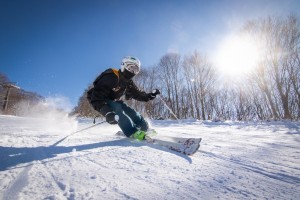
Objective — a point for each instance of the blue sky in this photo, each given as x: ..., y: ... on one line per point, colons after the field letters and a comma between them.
x: 57, y: 47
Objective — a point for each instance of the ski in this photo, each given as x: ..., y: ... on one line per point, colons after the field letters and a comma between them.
x: 187, y: 146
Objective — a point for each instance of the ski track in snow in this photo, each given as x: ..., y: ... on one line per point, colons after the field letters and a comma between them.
x: 236, y: 160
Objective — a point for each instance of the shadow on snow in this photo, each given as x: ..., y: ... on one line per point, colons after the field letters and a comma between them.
x: 12, y: 156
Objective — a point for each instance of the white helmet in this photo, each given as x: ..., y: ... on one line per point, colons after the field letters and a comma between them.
x: 131, y: 64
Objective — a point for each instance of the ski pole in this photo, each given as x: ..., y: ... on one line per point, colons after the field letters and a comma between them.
x: 165, y: 104
x: 59, y: 141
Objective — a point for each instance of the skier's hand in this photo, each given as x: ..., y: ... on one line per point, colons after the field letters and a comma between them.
x: 153, y: 94
x: 111, y: 118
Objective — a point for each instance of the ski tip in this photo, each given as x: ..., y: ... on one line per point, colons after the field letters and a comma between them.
x: 195, y: 149
x: 190, y: 154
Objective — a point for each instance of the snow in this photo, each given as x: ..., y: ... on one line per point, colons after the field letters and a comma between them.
x: 236, y: 160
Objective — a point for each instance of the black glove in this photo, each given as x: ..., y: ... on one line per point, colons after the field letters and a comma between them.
x: 153, y: 94
x: 111, y: 118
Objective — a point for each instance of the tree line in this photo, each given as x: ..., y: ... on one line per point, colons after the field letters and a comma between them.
x: 191, y: 87
x: 12, y: 97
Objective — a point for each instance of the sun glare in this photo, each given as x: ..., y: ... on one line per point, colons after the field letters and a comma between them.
x: 237, y: 55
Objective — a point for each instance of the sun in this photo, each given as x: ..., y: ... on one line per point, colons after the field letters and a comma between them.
x: 237, y: 55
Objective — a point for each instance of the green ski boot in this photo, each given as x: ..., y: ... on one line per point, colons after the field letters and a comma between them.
x: 139, y: 135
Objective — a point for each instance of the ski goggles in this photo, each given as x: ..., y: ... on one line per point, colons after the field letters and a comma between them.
x: 133, y: 68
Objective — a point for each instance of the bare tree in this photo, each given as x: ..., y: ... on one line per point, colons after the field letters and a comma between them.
x: 170, y: 75
x: 200, y: 78
x: 274, y: 75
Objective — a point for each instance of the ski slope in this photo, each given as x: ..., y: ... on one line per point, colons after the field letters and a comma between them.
x: 235, y: 161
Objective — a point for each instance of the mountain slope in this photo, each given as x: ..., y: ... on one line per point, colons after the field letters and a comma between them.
x: 235, y: 161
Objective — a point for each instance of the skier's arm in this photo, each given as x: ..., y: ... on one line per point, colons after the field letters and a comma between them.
x: 134, y: 92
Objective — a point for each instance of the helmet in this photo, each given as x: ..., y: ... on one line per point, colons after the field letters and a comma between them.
x: 131, y: 64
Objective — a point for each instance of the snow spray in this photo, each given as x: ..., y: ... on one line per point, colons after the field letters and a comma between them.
x: 51, y: 117
x: 165, y: 104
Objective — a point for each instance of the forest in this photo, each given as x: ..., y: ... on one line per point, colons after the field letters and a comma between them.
x: 192, y: 87
x: 15, y: 100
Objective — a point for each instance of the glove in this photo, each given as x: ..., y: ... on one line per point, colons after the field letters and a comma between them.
x: 111, y: 118
x: 153, y: 94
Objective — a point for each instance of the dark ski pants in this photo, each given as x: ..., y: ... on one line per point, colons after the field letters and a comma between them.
x: 129, y: 120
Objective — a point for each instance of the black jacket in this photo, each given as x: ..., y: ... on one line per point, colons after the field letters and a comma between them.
x: 112, y: 84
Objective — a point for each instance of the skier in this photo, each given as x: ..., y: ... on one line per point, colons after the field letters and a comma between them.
x: 110, y: 86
